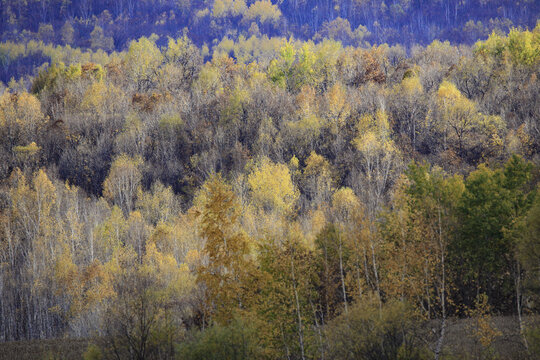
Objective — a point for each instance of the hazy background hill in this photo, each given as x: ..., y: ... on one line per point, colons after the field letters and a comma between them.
x: 109, y: 24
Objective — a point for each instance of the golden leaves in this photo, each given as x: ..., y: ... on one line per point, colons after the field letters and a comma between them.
x: 374, y: 135
x: 338, y: 107
x: 272, y: 188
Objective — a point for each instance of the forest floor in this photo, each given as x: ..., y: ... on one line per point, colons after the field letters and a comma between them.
x: 459, y: 343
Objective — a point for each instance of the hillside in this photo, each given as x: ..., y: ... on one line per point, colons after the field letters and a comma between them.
x: 269, y: 196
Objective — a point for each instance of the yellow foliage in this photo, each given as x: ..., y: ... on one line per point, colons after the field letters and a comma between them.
x: 224, y: 8
x: 226, y: 251
x: 143, y: 59
x: 45, y: 193
x: 346, y: 205
x: 448, y: 92
x: 374, y: 134
x: 307, y: 101
x: 317, y: 178
x: 158, y: 205
x: 209, y: 81
x: 193, y: 258
x: 101, y: 98
x: 122, y: 259
x: 272, y: 188
x: 263, y: 11
x: 411, y: 85
x: 482, y: 327
x: 317, y: 165
x: 30, y: 149
x: 177, y: 277
x: 239, y: 7
x: 338, y: 107
x: 294, y: 163
x: 33, y: 207
x: 66, y: 272
x: 94, y: 96
x: 317, y: 222
x: 309, y: 125
x: 521, y: 47
x: 21, y: 109
x: 460, y: 120
x: 110, y: 233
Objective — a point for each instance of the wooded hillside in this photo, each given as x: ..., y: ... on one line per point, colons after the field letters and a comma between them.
x: 277, y: 199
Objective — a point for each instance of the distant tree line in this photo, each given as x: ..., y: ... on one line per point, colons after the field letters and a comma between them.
x: 109, y: 25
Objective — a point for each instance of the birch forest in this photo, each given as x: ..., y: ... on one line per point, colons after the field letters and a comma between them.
x: 296, y: 180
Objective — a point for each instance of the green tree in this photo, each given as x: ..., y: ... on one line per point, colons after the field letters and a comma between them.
x: 493, y: 201
x: 528, y: 249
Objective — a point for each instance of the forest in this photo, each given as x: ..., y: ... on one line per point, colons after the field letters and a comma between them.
x: 232, y: 180
x: 37, y: 26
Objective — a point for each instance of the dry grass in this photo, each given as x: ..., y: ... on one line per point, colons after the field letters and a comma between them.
x: 57, y: 349
x: 459, y: 344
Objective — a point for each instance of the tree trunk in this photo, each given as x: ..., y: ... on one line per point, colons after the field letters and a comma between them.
x: 517, y: 283
x: 300, y: 326
x: 341, y: 273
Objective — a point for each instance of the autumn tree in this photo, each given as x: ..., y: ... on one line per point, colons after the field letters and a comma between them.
x: 144, y: 317
x: 121, y: 185
x: 272, y: 188
x: 423, y: 222
x: 379, y: 160
x: 67, y: 32
x: 98, y: 40
x: 226, y: 268
x: 142, y: 62
x: 408, y: 108
x: 288, y: 301
x: 264, y: 12
x: 21, y: 123
x: 461, y: 123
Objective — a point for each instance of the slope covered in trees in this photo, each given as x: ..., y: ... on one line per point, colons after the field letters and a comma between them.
x: 106, y: 25
x: 276, y: 199
x: 111, y: 24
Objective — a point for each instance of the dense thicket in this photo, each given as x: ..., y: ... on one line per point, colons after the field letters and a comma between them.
x: 284, y: 199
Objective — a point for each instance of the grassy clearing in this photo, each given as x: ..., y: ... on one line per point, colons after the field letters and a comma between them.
x: 460, y: 343
x: 57, y: 349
